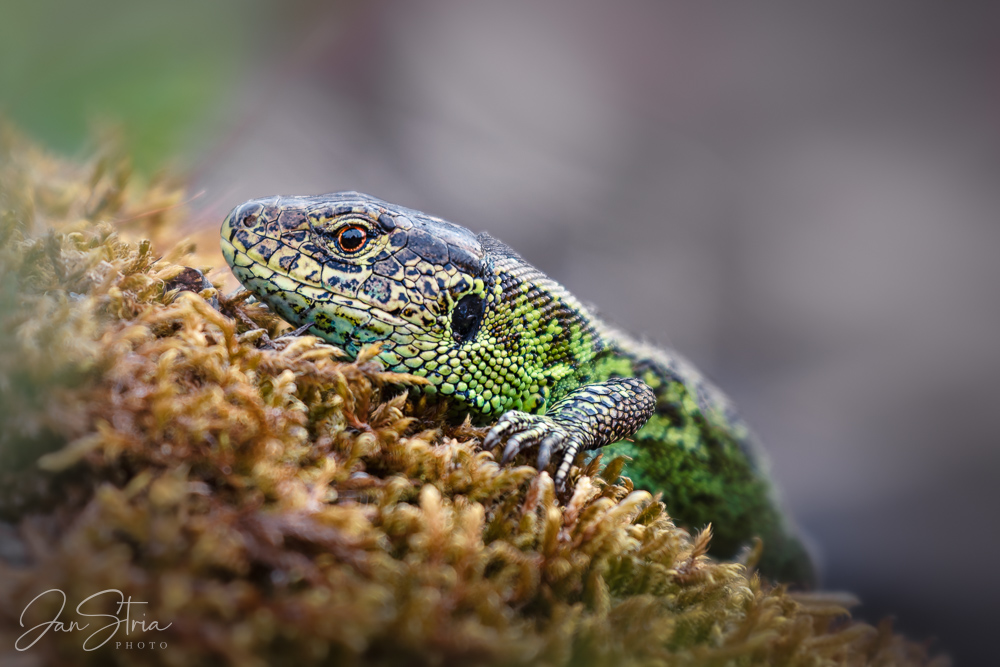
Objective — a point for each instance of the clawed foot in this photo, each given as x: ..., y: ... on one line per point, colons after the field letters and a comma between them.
x: 589, y: 417
x: 523, y: 430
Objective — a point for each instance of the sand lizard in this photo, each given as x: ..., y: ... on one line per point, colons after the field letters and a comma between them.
x: 514, y: 348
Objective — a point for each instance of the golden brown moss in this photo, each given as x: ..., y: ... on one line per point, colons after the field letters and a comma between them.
x: 278, y: 505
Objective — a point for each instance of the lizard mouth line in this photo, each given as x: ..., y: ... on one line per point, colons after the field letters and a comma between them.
x: 236, y: 249
x: 330, y: 298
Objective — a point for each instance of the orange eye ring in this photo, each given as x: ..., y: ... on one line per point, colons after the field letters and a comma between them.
x: 352, y: 238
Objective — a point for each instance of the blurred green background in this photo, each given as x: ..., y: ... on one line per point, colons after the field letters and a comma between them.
x: 155, y: 71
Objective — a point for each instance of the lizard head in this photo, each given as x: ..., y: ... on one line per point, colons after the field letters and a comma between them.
x: 361, y: 270
x: 462, y: 310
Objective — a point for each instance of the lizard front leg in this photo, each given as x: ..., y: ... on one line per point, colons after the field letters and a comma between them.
x: 590, y: 417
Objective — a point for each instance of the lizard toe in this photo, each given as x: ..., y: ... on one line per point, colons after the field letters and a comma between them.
x: 492, y: 438
x: 520, y: 440
x: 548, y: 444
x: 511, y: 450
x: 507, y: 424
x: 566, y: 458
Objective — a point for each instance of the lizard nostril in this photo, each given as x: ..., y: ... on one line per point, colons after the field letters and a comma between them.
x: 245, y: 215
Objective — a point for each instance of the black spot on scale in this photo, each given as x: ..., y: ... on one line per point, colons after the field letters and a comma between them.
x: 406, y: 256
x: 428, y: 287
x: 378, y: 288
x: 291, y: 219
x: 286, y: 262
x: 314, y: 274
x: 243, y: 237
x: 341, y: 266
x: 432, y: 249
x: 398, y: 238
x: 461, y: 286
x: 390, y: 268
x: 387, y: 222
x: 311, y: 249
x: 266, y: 248
x: 319, y: 212
x: 323, y: 321
x: 384, y: 254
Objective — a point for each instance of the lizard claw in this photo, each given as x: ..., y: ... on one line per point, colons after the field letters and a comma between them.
x: 524, y: 430
x: 545, y: 448
x: 567, y: 456
x: 497, y: 433
x: 520, y: 440
x: 510, y: 451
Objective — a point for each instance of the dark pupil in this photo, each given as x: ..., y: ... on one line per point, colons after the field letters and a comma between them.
x: 466, y: 317
x: 351, y: 239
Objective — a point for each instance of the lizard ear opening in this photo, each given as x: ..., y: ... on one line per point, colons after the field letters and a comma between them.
x: 467, y: 317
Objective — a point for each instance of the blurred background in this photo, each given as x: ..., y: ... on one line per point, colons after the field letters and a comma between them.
x: 802, y: 198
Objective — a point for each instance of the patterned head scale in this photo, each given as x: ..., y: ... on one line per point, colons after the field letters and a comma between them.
x: 359, y: 268
x: 462, y: 310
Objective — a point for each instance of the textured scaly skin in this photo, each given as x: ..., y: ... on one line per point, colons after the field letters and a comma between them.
x: 509, y: 345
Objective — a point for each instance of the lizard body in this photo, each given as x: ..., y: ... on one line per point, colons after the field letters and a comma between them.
x: 511, y: 346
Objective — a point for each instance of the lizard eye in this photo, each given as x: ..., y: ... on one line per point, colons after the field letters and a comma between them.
x: 352, y: 238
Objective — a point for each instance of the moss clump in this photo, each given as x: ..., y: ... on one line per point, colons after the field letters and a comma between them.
x: 276, y: 504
